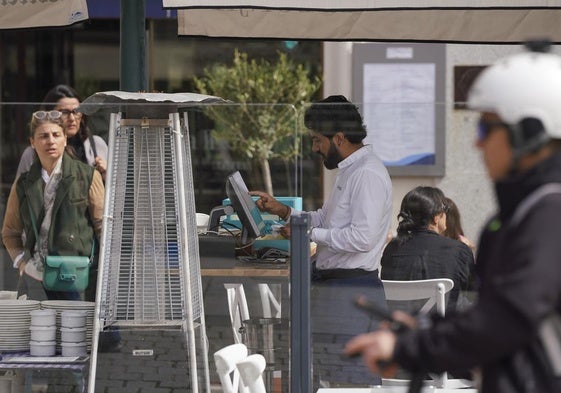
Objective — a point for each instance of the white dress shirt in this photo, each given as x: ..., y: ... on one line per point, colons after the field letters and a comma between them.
x: 352, y: 226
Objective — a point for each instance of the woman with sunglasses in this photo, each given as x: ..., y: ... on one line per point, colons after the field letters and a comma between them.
x: 88, y: 148
x: 60, y: 201
x: 420, y: 251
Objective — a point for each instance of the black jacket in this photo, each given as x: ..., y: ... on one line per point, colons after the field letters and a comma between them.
x: 429, y: 255
x: 519, y: 267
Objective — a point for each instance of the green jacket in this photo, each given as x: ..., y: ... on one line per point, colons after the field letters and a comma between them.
x: 71, y: 231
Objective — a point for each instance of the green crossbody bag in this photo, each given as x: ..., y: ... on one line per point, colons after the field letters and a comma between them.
x: 63, y: 273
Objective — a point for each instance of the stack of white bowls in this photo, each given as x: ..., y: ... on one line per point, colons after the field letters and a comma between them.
x: 73, y: 333
x: 72, y: 305
x: 43, y: 333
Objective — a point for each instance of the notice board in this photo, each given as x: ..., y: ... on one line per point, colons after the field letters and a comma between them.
x: 400, y: 91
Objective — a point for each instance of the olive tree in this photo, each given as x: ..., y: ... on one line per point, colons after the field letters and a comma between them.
x: 262, y: 122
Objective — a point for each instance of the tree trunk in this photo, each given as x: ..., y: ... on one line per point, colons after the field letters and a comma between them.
x: 266, y: 173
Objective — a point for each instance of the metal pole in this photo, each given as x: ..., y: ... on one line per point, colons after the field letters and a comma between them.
x: 300, y: 331
x: 133, y: 46
x: 107, y: 216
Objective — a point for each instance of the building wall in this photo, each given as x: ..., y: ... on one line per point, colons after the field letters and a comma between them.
x: 465, y: 179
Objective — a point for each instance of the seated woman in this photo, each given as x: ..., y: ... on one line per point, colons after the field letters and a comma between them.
x: 420, y: 251
x: 61, y: 200
x: 454, y: 228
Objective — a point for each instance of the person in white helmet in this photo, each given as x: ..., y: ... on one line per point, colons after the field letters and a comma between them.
x: 511, y: 335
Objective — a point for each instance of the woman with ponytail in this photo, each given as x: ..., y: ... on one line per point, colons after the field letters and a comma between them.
x: 419, y: 250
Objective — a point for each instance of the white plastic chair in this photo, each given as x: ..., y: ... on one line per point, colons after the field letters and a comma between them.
x: 434, y: 292
x: 268, y: 299
x: 251, y: 373
x: 237, y: 306
x: 225, y: 361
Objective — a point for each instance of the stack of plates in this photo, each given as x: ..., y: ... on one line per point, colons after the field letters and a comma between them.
x: 14, y: 324
x: 63, y: 305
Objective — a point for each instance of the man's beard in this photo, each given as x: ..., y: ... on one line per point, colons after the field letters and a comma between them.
x: 333, y: 157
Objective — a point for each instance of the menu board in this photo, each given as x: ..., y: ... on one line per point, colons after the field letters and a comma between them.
x: 400, y: 92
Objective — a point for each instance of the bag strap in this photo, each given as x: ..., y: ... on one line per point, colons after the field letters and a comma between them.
x: 550, y: 328
x: 38, y: 239
x: 531, y: 200
x: 92, y: 142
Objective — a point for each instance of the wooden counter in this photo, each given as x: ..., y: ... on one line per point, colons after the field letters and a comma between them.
x: 244, y: 269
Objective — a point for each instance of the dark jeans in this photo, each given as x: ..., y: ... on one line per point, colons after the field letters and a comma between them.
x: 335, y: 320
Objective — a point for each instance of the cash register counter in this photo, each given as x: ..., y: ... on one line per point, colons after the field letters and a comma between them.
x: 218, y: 275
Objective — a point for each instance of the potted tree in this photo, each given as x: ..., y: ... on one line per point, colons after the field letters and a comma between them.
x: 262, y: 123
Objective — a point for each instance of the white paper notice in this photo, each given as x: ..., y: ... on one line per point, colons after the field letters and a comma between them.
x: 399, y: 112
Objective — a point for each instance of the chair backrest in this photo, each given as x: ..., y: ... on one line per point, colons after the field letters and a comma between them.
x: 225, y: 360
x: 251, y: 372
x: 237, y: 307
x: 434, y: 290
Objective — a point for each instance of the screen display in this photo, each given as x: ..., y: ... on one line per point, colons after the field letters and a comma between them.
x: 245, y: 207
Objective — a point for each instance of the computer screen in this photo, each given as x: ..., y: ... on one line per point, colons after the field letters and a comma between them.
x: 244, y: 206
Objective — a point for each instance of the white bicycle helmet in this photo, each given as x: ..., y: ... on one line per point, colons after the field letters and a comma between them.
x: 525, y: 91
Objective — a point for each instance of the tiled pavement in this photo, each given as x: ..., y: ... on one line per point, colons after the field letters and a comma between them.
x: 167, y: 371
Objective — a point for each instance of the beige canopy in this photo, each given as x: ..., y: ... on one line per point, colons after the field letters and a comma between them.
x: 24, y: 14
x: 497, y: 21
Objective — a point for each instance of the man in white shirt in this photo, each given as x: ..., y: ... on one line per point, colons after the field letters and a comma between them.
x: 350, y: 230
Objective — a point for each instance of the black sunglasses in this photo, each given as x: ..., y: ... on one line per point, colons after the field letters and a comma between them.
x: 68, y: 112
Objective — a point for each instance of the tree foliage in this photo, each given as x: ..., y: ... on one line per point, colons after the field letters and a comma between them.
x: 262, y: 122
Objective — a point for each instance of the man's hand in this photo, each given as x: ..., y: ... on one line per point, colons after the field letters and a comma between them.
x: 376, y: 349
x: 269, y: 204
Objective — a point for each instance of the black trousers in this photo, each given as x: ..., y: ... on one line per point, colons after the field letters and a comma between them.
x: 335, y: 320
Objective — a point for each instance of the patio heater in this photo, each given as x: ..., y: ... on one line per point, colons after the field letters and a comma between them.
x: 149, y: 329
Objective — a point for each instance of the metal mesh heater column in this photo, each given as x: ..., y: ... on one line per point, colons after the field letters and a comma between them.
x: 149, y: 296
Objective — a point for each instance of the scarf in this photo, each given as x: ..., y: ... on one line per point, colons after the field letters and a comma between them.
x: 34, y: 267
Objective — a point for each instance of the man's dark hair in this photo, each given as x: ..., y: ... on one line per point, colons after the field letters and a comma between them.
x: 335, y: 114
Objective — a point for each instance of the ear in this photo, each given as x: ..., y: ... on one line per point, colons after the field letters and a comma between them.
x: 32, y: 142
x: 338, y: 138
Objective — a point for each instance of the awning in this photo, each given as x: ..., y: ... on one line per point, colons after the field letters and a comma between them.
x: 475, y: 21
x: 21, y: 14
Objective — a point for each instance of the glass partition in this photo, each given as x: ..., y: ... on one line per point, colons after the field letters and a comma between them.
x: 265, y: 145
x: 244, y: 300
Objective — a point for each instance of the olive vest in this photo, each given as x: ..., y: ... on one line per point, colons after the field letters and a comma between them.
x: 71, y: 231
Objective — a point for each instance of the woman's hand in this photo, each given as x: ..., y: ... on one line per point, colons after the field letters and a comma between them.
x: 21, y: 267
x: 101, y: 165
